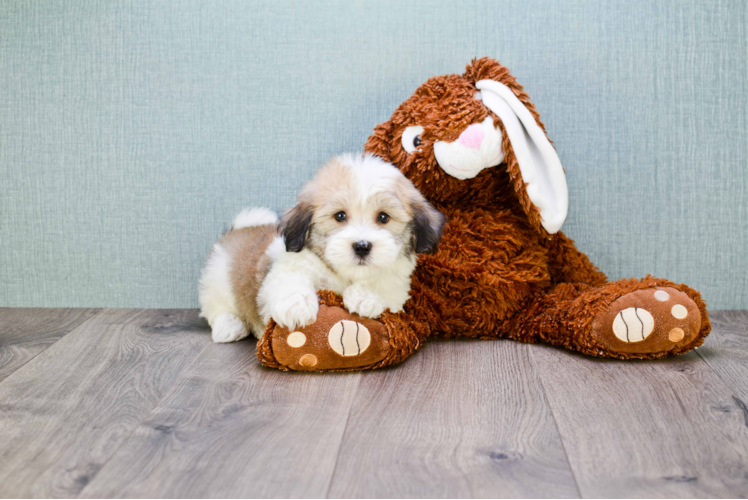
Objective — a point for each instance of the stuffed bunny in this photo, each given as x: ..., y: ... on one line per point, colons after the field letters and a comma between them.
x: 474, y: 145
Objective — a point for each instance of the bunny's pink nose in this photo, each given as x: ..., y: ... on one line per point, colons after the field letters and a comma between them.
x: 472, y: 137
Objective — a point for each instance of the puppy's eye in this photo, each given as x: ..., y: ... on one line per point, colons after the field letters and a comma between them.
x: 383, y: 218
x: 340, y: 216
x: 411, y: 138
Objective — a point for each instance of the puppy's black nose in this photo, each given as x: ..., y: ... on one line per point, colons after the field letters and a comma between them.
x: 362, y: 248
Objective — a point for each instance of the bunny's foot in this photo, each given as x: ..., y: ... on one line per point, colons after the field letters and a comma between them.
x: 644, y: 319
x: 648, y: 321
x: 338, y: 341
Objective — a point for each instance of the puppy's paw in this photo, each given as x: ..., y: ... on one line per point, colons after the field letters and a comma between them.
x: 228, y: 328
x: 364, y: 302
x: 296, y: 309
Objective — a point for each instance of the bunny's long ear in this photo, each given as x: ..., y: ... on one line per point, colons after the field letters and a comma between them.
x: 542, y: 175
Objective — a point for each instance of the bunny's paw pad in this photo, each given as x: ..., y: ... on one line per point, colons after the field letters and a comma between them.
x: 338, y: 340
x: 653, y: 320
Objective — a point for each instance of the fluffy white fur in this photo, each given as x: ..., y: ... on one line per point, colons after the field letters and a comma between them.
x: 250, y: 217
x: 289, y: 293
x: 369, y: 285
x: 380, y: 282
x: 216, y: 294
x: 217, y: 302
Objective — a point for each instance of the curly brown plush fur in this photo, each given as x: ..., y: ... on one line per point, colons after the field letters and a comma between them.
x: 395, y: 337
x: 497, y: 273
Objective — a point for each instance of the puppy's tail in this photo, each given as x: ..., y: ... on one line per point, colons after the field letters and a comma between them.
x: 252, y: 217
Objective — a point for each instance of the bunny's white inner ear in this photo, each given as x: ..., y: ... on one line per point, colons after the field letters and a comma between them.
x: 538, y: 162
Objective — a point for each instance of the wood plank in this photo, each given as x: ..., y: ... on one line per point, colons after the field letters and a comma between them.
x: 667, y: 428
x: 726, y: 352
x: 64, y: 413
x: 459, y: 419
x: 232, y: 428
x: 24, y: 333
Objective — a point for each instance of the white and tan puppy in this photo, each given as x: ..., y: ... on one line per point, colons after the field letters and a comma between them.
x: 356, y: 230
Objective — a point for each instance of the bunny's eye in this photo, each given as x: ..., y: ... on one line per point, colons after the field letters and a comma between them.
x: 412, y: 138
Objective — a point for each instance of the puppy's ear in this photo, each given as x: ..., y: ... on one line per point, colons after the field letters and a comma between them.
x: 428, y: 224
x: 294, y: 226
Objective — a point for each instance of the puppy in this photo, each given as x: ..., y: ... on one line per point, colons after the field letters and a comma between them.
x: 356, y: 230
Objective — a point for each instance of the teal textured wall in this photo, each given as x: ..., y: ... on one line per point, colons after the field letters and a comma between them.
x: 132, y: 132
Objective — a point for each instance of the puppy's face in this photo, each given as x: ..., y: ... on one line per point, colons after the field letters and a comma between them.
x: 360, y: 215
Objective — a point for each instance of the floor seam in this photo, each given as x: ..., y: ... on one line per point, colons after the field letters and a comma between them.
x: 342, y: 437
x: 555, y: 422
x: 97, y: 312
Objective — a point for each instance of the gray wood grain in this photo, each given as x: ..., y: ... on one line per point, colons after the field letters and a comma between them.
x: 726, y: 352
x: 64, y: 413
x: 24, y: 333
x: 459, y: 419
x: 231, y: 428
x: 134, y: 403
x: 668, y: 428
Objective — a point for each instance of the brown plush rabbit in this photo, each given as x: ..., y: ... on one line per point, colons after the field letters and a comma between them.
x: 474, y: 145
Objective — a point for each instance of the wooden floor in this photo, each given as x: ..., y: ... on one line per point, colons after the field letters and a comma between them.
x: 140, y: 403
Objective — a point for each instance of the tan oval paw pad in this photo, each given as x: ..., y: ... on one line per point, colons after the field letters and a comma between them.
x: 633, y: 324
x: 349, y: 338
